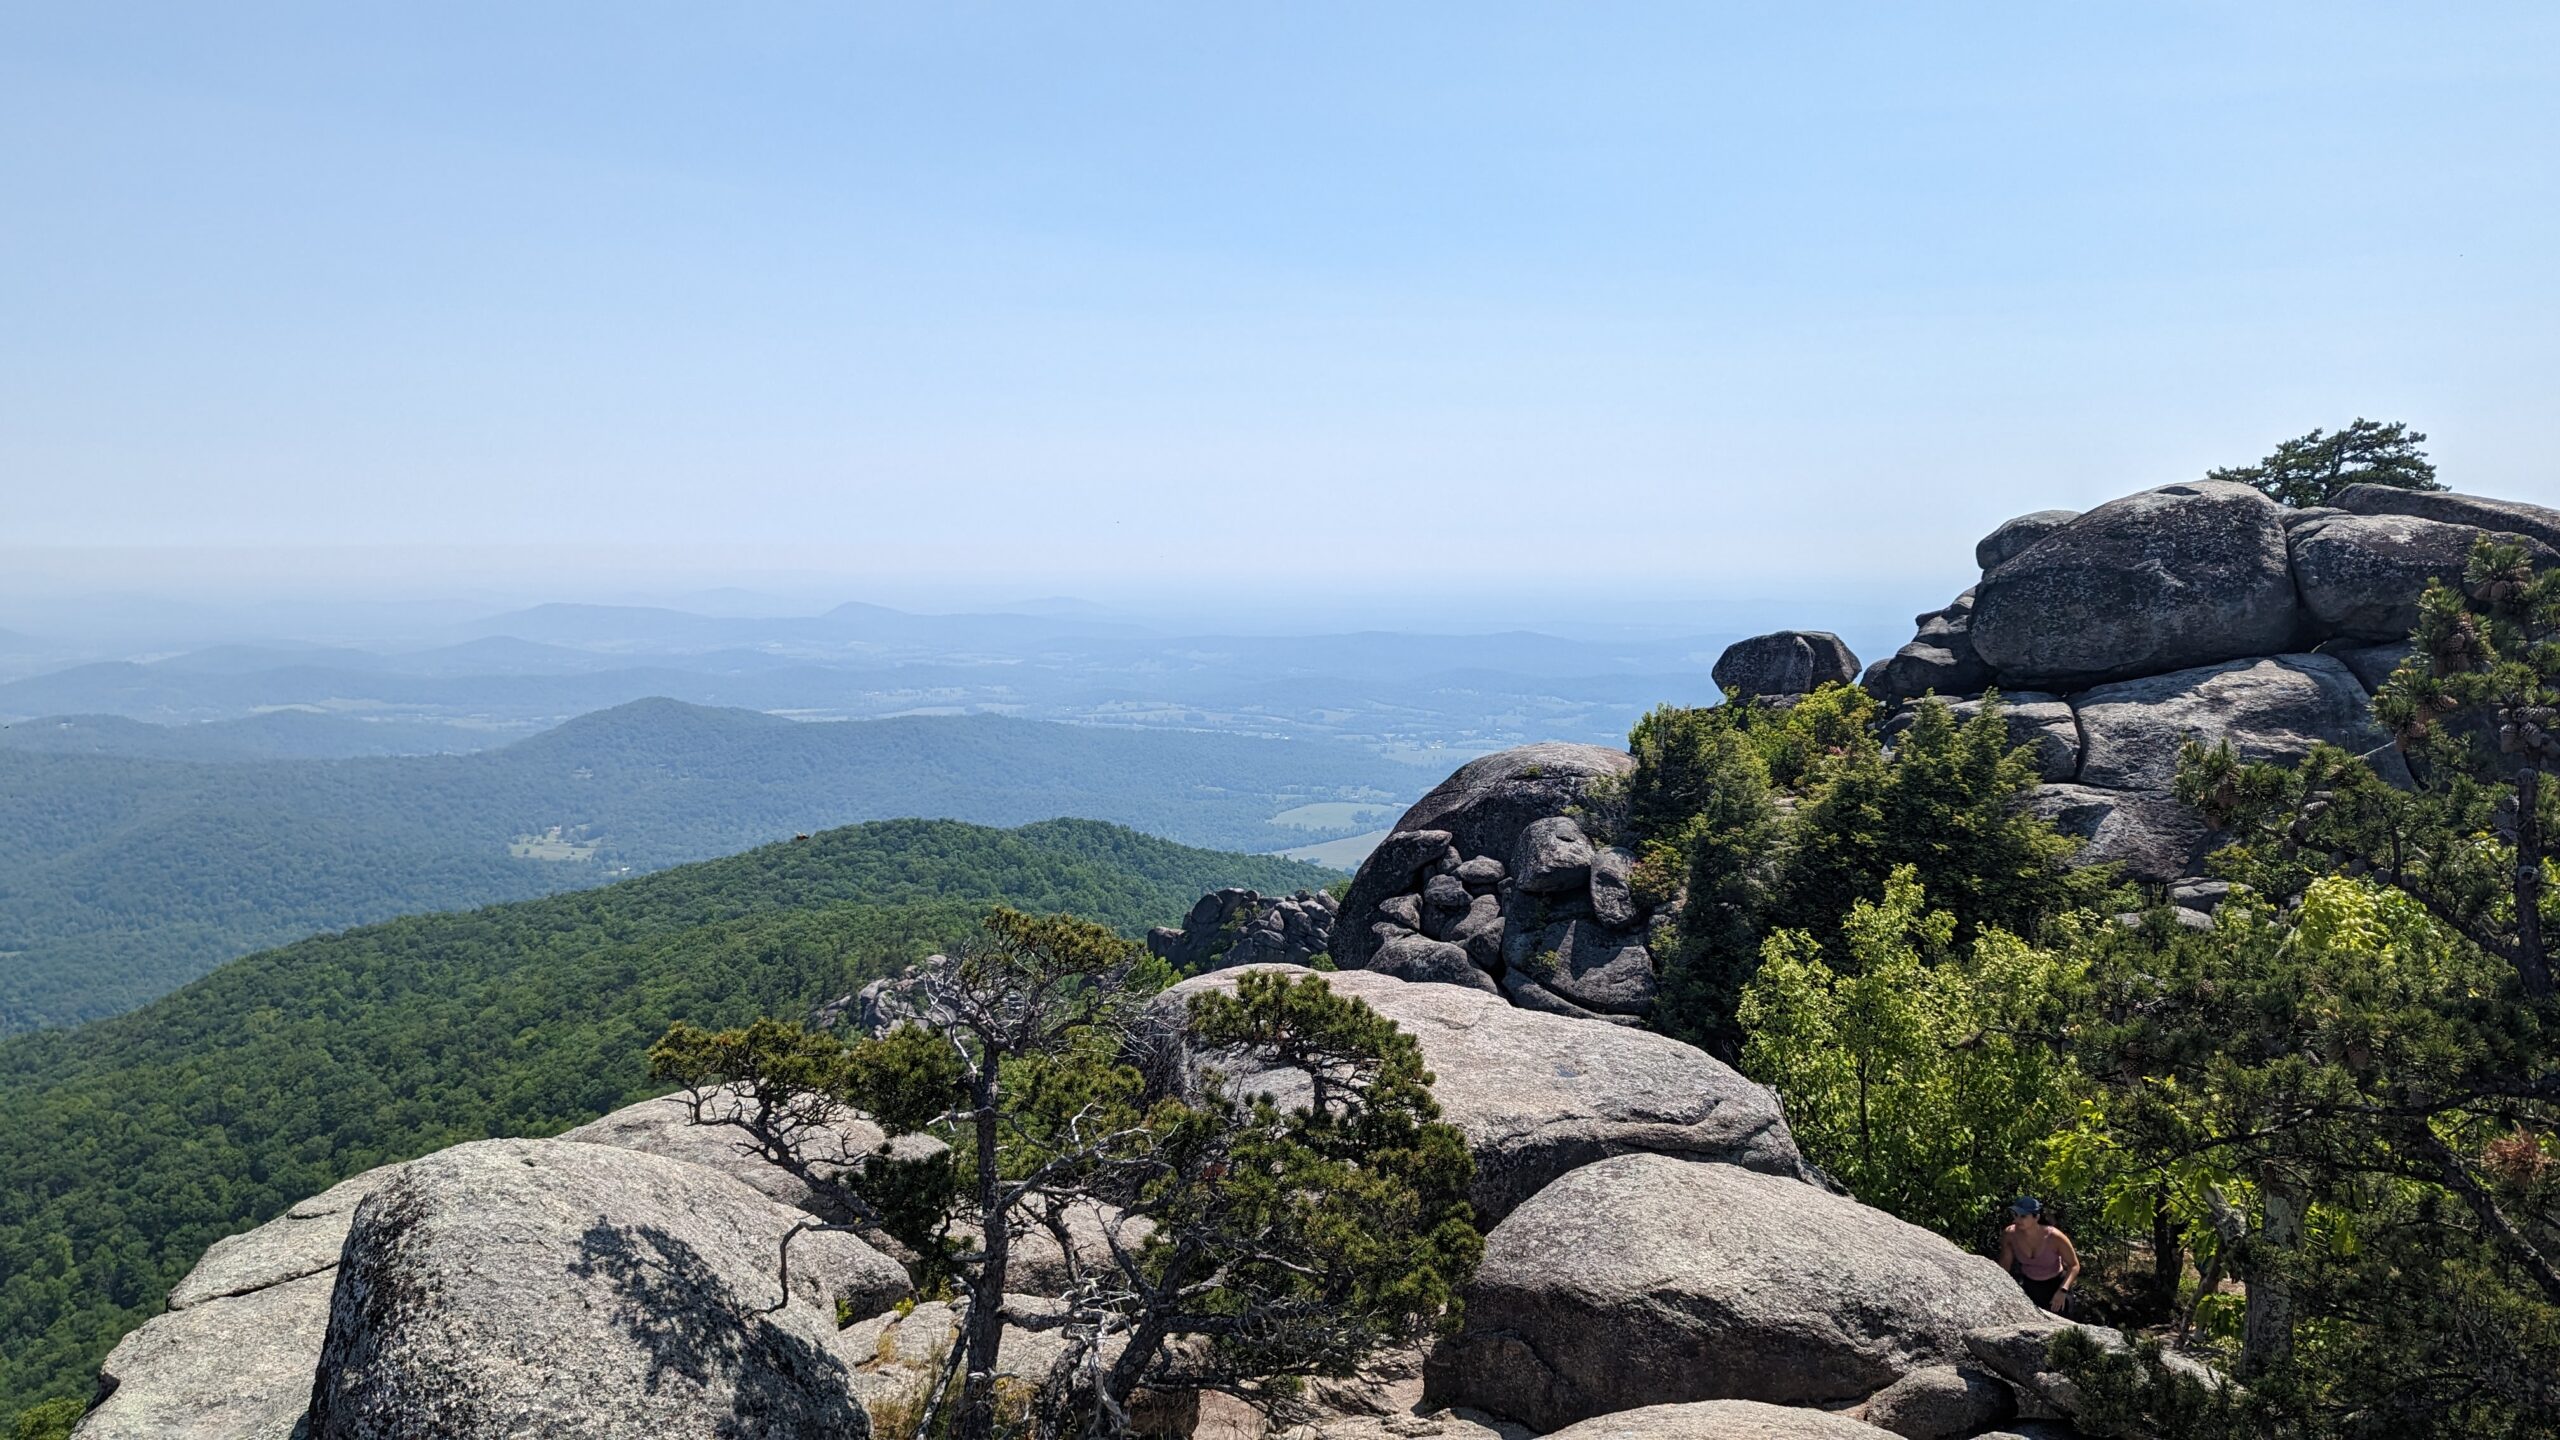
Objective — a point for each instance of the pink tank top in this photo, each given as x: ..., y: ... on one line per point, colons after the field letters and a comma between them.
x: 2044, y: 1266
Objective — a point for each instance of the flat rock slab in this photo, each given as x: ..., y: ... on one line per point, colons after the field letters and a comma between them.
x: 305, y: 1240
x: 1536, y: 1095
x: 2271, y: 709
x: 547, y: 1288
x: 1645, y: 1280
x: 2538, y: 522
x: 236, y: 1367
x: 1721, y: 1420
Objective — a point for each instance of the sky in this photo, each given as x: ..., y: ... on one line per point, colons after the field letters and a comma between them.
x: 1578, y: 309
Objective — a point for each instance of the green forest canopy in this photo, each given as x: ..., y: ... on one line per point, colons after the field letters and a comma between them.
x: 132, y: 1143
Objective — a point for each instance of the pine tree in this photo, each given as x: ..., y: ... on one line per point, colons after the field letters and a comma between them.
x: 2311, y: 469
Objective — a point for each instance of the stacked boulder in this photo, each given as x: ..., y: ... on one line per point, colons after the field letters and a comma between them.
x: 2201, y: 611
x: 1494, y: 881
x: 1242, y: 927
x: 1660, y: 1258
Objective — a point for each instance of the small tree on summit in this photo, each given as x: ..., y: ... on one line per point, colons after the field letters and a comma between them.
x: 2311, y: 469
x: 1246, y: 1243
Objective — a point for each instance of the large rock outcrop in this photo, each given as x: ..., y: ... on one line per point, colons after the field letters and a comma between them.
x: 1646, y: 1280
x: 532, y: 1288
x: 2271, y: 709
x: 1235, y: 926
x: 1497, y: 862
x: 1536, y: 1095
x: 2013, y: 537
x: 2169, y: 578
x: 664, y: 1126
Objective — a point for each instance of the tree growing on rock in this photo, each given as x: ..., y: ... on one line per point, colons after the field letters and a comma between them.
x: 2311, y: 469
x: 2476, y: 708
x: 1244, y: 1243
x: 1924, y: 1076
x: 1783, y: 820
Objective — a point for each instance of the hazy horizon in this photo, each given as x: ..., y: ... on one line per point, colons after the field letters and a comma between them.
x: 1316, y: 311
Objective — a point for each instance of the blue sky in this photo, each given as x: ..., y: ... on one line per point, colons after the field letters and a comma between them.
x: 1603, y: 302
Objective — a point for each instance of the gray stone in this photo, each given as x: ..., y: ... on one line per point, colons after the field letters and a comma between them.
x: 2536, y: 522
x: 1406, y: 856
x: 1613, y: 897
x: 1788, y: 662
x: 1482, y: 808
x: 1236, y: 926
x: 2013, y: 537
x: 235, y: 1368
x: 1037, y: 1264
x: 2360, y: 576
x: 1939, y: 660
x: 2370, y: 664
x: 2042, y: 722
x: 303, y: 1241
x: 233, y: 1357
x: 2167, y: 579
x: 2269, y: 709
x: 2018, y: 1350
x: 664, y: 1126
x: 1721, y: 1420
x: 2150, y: 835
x: 1480, y: 931
x: 1833, y: 662
x: 546, y: 1288
x: 1424, y: 961
x: 1482, y: 873
x: 2200, y: 895
x: 1552, y: 855
x: 1404, y: 911
x: 1535, y: 1096
x: 2178, y: 915
x: 1528, y: 994
x: 1940, y: 1401
x: 1592, y: 966
x: 1645, y: 1280
x: 1446, y: 891
x: 1779, y: 664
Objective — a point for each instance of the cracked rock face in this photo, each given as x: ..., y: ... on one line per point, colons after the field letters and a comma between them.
x: 2161, y: 580
x: 1497, y: 862
x: 1536, y: 1095
x: 1646, y: 1280
x: 1236, y: 926
x: 530, y: 1288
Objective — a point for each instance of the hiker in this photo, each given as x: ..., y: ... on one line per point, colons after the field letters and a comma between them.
x: 2040, y: 1256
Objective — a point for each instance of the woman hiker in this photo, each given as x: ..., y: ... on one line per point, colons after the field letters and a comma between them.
x: 2040, y: 1256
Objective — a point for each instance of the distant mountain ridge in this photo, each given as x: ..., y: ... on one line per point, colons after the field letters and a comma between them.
x: 122, y: 876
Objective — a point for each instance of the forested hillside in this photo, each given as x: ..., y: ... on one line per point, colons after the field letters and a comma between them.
x: 132, y: 1143
x: 123, y: 877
